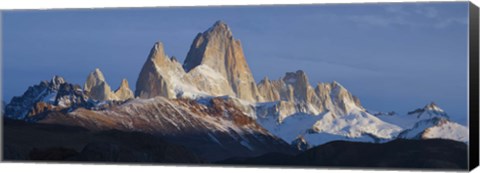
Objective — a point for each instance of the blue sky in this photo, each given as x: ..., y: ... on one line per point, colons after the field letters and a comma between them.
x: 394, y: 57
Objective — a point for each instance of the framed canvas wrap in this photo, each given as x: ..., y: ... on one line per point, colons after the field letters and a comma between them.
x: 370, y: 85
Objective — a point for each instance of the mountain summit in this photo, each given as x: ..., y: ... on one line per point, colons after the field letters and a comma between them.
x: 210, y: 47
x: 97, y: 88
x: 215, y: 66
x: 154, y: 78
x: 123, y: 92
x: 47, y: 96
x: 430, y: 110
x: 217, y: 49
x: 433, y: 122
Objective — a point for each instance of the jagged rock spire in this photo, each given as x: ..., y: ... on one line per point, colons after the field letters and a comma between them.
x: 302, y: 90
x: 154, y: 78
x: 124, y: 92
x: 97, y: 88
x: 267, y: 90
x: 211, y: 48
x: 295, y: 93
x: 95, y: 78
x: 217, y: 49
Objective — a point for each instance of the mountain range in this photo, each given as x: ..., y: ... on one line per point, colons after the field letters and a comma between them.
x: 212, y: 105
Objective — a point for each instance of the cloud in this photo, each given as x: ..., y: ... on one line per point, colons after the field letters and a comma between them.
x: 396, y: 9
x: 402, y: 10
x: 450, y: 21
x: 379, y: 20
x: 429, y: 12
x: 410, y: 16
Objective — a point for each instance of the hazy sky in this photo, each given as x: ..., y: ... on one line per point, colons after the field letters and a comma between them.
x: 394, y: 57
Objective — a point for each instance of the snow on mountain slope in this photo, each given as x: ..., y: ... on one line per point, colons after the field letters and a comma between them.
x: 164, y: 76
x: 436, y: 127
x: 52, y: 95
x: 428, y: 122
x: 448, y: 130
x: 216, y: 129
x: 403, y: 121
x: 244, y: 106
x: 429, y: 111
x: 356, y: 124
x: 328, y: 112
x: 291, y: 128
x: 207, y: 82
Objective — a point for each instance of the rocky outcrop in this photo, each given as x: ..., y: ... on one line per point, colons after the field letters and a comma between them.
x: 97, y: 88
x: 164, y: 76
x: 268, y: 91
x: 293, y: 94
x: 337, y: 98
x: 46, y: 96
x: 123, y: 92
x: 217, y: 49
x: 155, y: 78
x: 215, y: 66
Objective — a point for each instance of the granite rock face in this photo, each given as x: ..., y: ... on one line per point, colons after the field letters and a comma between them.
x: 124, y: 92
x: 268, y: 90
x: 154, y: 78
x: 214, y: 66
x: 294, y: 94
x: 97, y: 88
x: 217, y: 49
x: 165, y: 76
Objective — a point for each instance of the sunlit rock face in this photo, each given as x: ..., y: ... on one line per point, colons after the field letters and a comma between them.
x: 124, y: 92
x: 217, y: 49
x: 97, y: 88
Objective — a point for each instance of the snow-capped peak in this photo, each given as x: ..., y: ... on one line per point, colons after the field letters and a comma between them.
x: 46, y: 96
x: 433, y: 107
x: 437, y: 127
x: 57, y: 81
x: 429, y: 111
